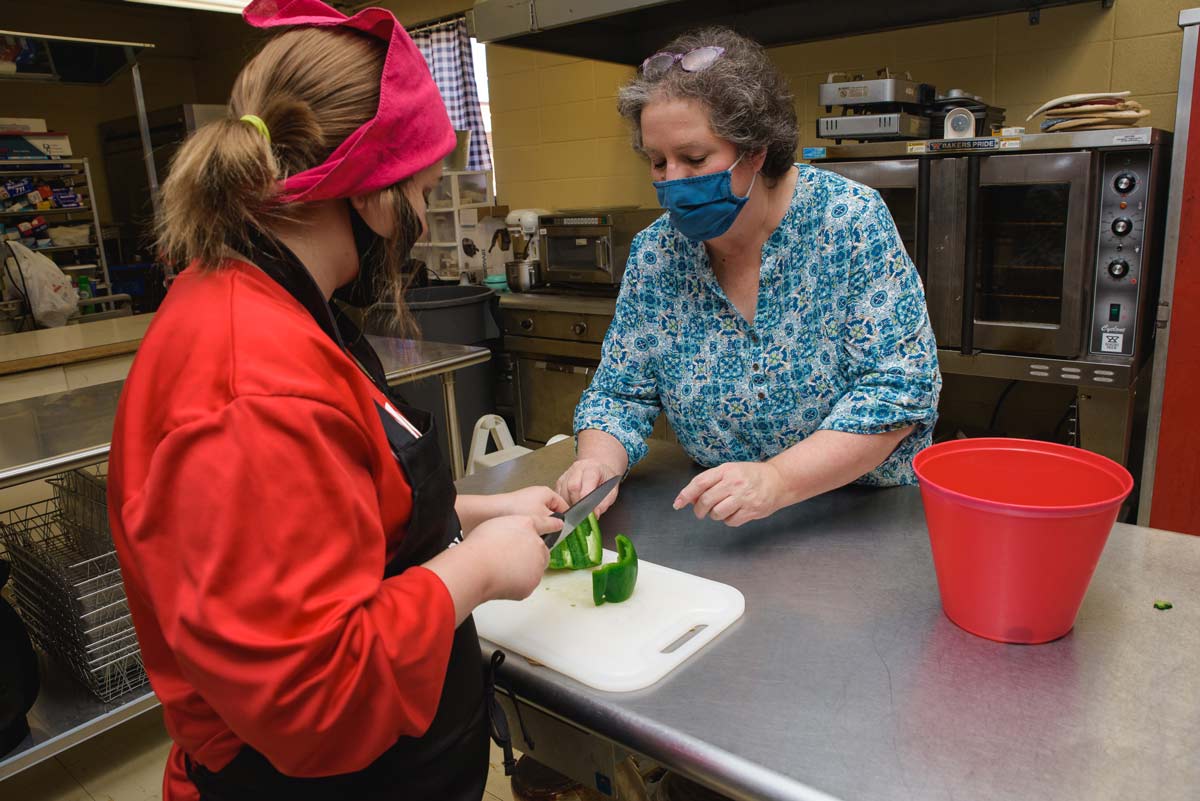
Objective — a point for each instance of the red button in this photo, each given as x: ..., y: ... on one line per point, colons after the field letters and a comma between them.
x: 1124, y: 205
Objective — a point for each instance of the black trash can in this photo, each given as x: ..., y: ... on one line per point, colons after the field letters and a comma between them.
x: 459, y: 315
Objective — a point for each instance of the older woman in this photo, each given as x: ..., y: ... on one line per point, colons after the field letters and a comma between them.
x: 772, y: 313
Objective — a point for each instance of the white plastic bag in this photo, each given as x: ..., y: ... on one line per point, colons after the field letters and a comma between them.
x: 52, y: 296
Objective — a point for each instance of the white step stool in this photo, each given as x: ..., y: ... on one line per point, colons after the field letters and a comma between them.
x: 492, y: 427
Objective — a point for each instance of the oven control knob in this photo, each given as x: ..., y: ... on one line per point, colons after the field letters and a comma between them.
x: 1118, y: 268
x: 527, y: 324
x: 1122, y: 226
x: 1125, y: 182
x: 579, y: 329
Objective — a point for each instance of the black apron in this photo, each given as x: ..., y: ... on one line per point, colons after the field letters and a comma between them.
x: 19, y: 677
x: 450, y: 761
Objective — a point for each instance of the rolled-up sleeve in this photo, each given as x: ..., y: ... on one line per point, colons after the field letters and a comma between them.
x: 623, y: 398
x: 888, y: 348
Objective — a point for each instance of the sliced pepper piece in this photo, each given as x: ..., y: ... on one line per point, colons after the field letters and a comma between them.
x: 580, y: 549
x: 614, y: 583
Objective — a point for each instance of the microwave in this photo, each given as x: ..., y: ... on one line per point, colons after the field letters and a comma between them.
x: 589, y: 248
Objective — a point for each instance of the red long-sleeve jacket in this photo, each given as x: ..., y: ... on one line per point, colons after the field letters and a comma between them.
x: 254, y: 501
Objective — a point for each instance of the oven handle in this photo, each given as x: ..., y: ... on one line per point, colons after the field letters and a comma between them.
x: 971, y: 270
x: 560, y: 367
x: 602, y: 254
x: 922, y: 254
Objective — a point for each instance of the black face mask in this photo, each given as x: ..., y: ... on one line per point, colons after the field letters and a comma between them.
x: 367, y: 287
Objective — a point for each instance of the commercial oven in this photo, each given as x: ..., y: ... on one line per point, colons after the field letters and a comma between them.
x: 1040, y: 255
x: 554, y: 342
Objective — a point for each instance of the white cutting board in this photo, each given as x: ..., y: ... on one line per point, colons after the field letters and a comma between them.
x: 613, y: 647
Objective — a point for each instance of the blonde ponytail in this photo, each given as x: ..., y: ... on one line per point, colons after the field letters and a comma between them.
x: 220, y: 183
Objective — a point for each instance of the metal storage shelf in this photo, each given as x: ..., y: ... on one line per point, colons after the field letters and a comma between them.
x: 44, y: 212
x: 38, y: 168
x: 66, y: 715
x: 61, y: 248
x: 69, y: 172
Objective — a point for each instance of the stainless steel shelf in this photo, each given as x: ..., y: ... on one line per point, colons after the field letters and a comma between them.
x: 65, y: 715
x: 60, y: 248
x: 43, y: 212
x: 69, y: 170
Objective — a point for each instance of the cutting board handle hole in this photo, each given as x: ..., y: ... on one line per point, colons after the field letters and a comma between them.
x: 687, y: 635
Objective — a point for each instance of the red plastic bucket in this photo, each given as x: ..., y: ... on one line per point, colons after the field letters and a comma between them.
x: 1016, y: 528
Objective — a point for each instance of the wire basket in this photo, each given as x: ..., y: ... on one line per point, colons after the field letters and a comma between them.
x: 67, y: 584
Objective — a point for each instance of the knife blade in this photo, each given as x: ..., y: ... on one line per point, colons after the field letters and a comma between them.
x: 579, y: 512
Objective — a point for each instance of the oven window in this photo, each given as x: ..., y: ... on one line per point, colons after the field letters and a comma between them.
x: 573, y: 253
x: 1021, y: 253
x: 902, y: 203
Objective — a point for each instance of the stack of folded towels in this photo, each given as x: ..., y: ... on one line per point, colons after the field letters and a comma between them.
x: 1090, y: 112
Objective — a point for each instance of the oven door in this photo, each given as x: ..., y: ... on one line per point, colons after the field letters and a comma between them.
x: 548, y: 390
x: 904, y: 185
x: 577, y: 254
x: 1030, y: 240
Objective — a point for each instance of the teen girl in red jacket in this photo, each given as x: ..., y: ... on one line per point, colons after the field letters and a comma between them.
x: 288, y: 534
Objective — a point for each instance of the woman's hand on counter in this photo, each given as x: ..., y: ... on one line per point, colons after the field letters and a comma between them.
x: 502, y: 559
x: 736, y: 492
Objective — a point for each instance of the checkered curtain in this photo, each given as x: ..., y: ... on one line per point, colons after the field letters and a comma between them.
x: 447, y: 49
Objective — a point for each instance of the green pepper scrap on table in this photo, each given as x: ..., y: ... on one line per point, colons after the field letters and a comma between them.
x: 579, y: 549
x: 1161, y: 605
x: 614, y: 583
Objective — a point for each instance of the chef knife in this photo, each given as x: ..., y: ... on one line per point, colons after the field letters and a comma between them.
x: 579, y: 512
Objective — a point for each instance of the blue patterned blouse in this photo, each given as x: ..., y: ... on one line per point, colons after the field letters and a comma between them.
x: 841, y: 339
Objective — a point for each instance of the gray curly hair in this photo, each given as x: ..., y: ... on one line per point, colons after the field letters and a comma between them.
x: 748, y: 99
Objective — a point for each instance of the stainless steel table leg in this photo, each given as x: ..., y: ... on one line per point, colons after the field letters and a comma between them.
x: 452, y: 432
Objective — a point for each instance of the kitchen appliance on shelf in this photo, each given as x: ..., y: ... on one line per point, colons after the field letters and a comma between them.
x: 1040, y: 255
x: 958, y: 114
x: 524, y: 271
x: 589, y: 248
x: 884, y: 108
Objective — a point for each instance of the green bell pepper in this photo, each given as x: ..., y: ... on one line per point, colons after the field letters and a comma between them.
x: 614, y: 582
x: 579, y: 549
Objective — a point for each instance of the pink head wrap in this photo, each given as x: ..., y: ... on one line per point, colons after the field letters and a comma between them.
x: 410, y: 129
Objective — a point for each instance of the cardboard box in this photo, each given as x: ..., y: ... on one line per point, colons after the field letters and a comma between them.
x: 16, y: 145
x: 23, y: 124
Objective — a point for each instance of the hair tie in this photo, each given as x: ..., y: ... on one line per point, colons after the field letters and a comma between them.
x: 257, y: 123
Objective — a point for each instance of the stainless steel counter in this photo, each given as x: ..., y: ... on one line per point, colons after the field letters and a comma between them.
x: 579, y: 304
x: 845, y: 677
x: 53, y: 433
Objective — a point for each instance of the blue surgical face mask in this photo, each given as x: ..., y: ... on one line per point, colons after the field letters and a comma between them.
x: 704, y: 206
